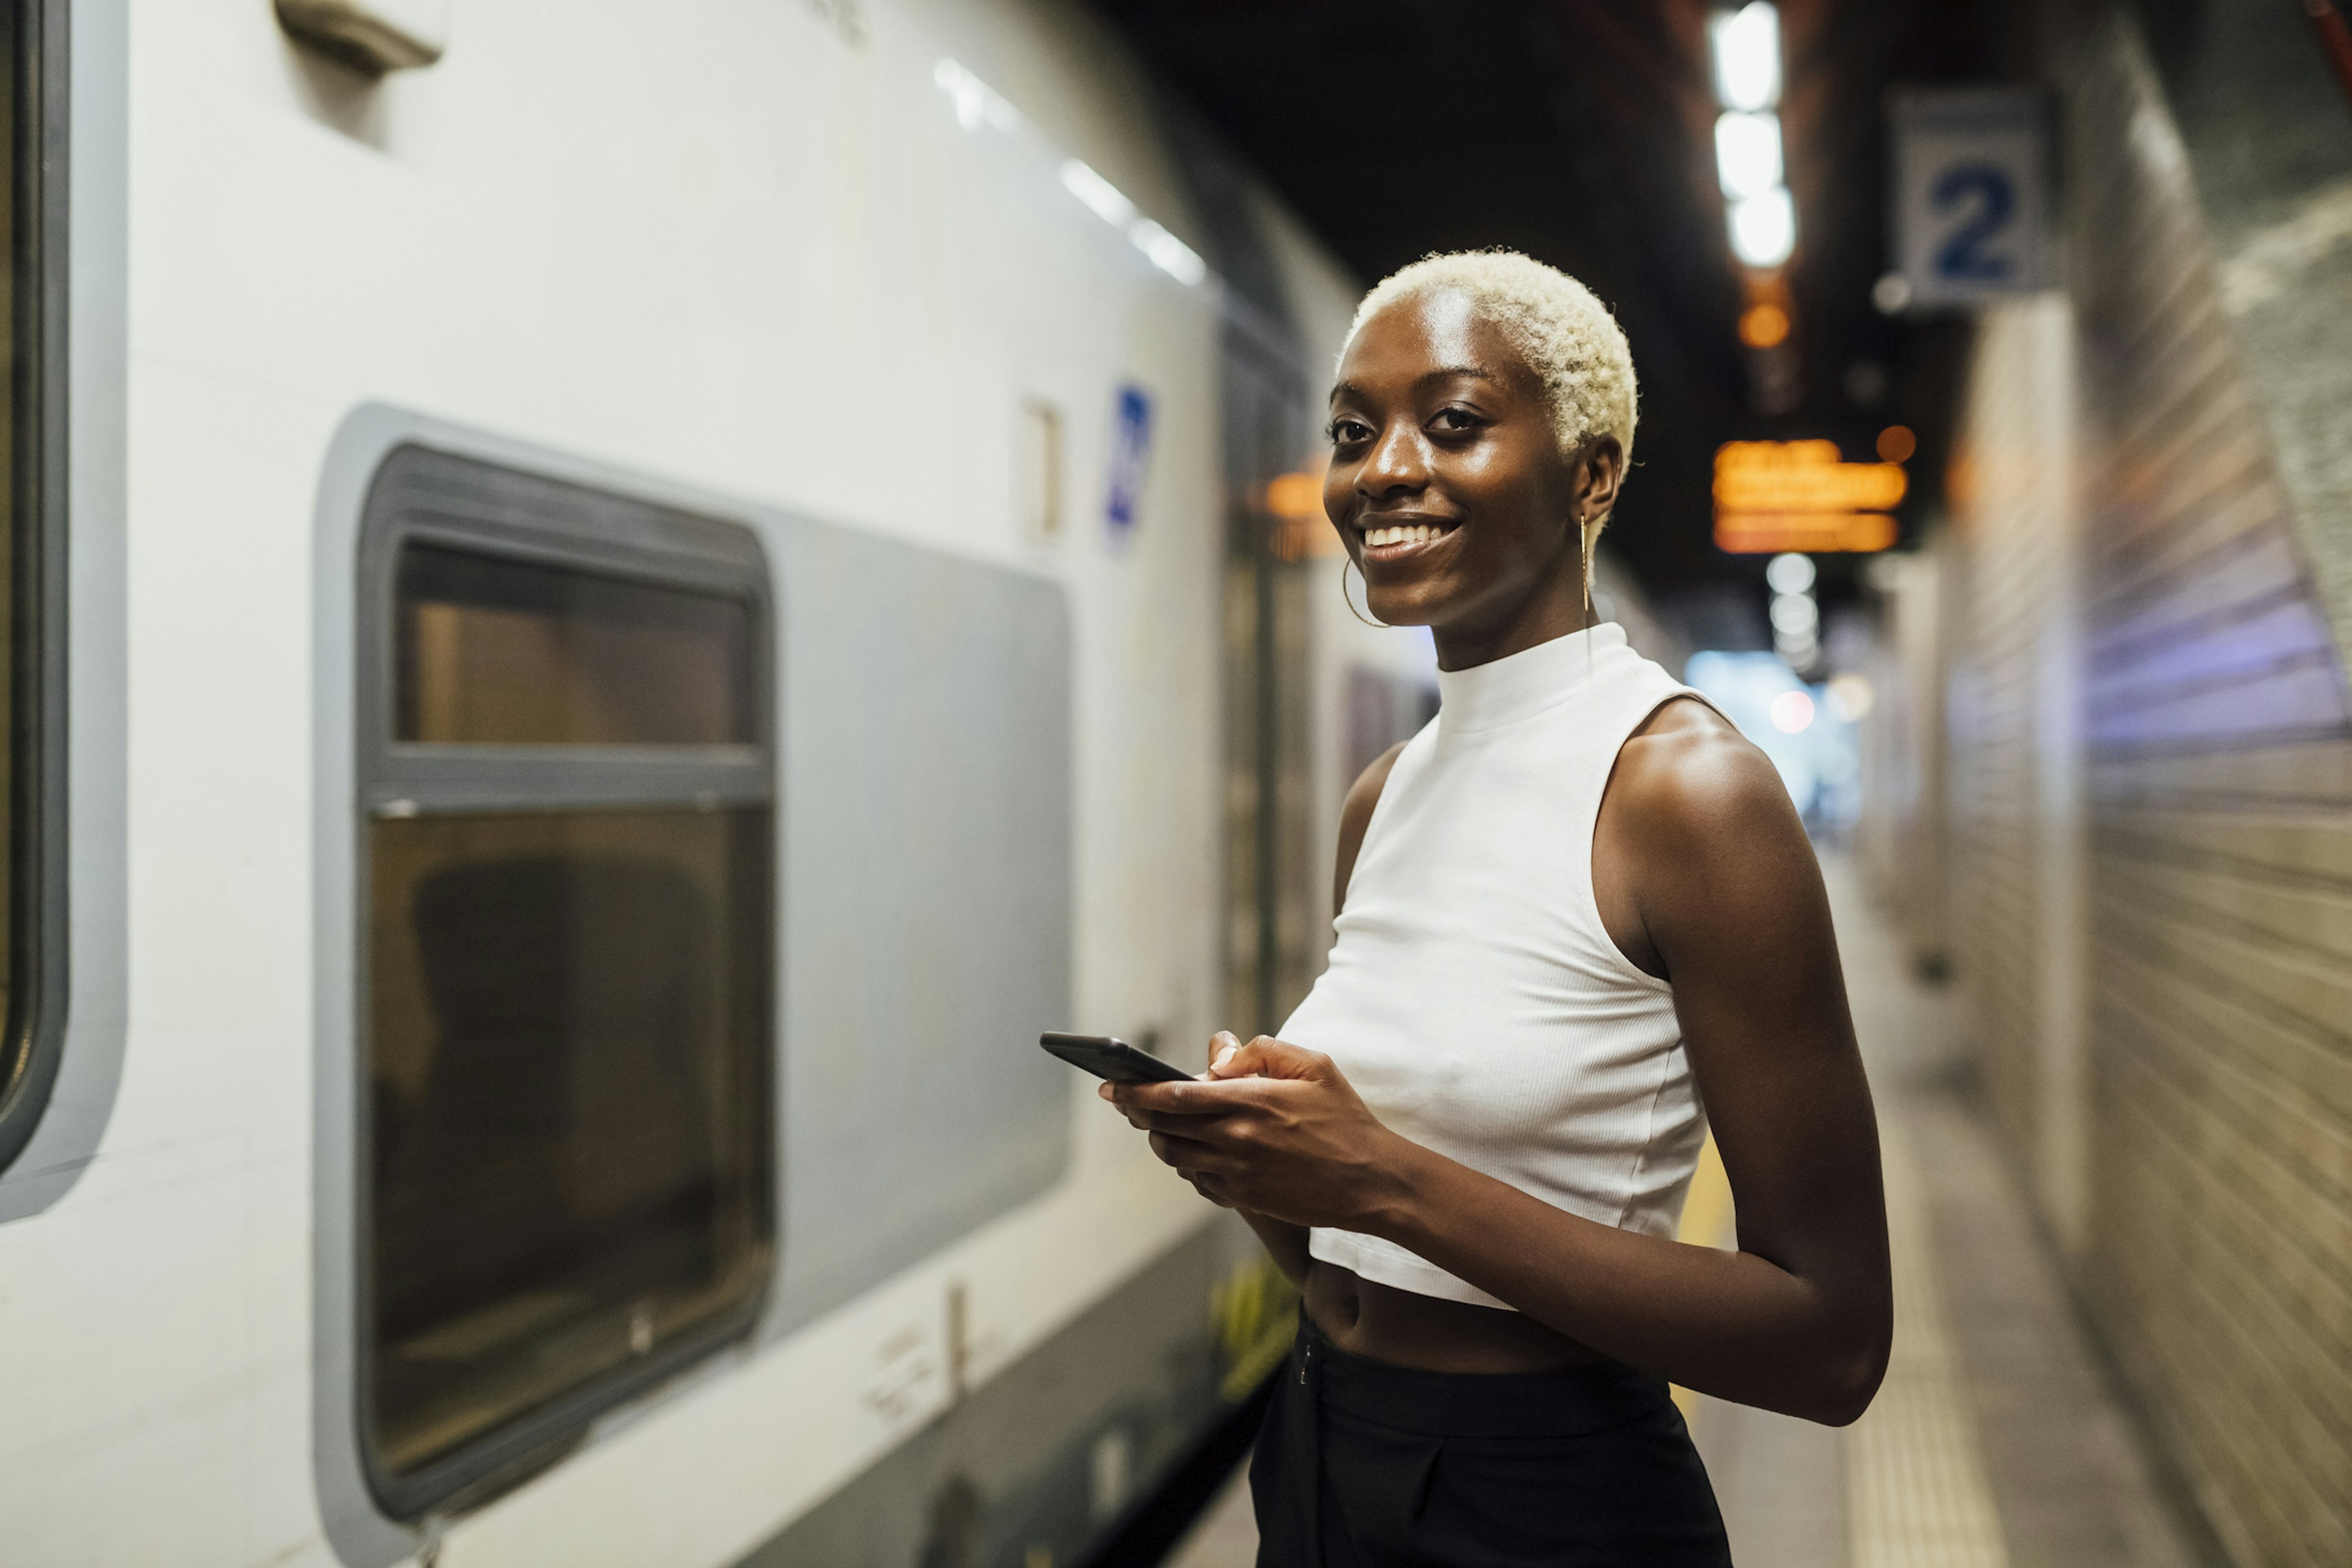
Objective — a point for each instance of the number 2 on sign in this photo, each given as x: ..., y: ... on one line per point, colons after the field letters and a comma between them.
x: 1963, y: 255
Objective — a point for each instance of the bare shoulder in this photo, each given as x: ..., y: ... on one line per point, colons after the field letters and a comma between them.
x: 1364, y: 794
x: 1699, y: 856
x: 1687, y: 777
x: 1356, y: 815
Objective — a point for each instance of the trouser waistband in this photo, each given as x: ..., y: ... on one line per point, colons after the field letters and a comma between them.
x: 1567, y: 1403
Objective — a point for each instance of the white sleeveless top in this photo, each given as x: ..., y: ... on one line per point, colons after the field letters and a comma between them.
x: 1474, y: 999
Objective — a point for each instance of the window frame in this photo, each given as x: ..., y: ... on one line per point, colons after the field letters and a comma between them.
x: 424, y: 495
x: 32, y: 1048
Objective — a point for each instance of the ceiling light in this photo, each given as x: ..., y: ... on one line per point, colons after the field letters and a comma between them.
x: 1746, y: 56
x: 1764, y: 228
x: 1747, y: 153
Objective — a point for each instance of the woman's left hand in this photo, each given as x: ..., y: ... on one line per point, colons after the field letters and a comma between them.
x: 1276, y: 1130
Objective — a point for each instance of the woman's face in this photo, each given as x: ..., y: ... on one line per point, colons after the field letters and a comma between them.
x: 1448, y: 485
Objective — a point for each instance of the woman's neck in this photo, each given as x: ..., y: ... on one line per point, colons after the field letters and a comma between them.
x: 1559, y: 607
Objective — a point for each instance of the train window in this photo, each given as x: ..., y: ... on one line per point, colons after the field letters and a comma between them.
x: 511, y: 652
x: 32, y: 522
x: 569, y: 865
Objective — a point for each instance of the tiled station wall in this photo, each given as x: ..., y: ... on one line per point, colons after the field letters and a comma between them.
x: 2150, y: 807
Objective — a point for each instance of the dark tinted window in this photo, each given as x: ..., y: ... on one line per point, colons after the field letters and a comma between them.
x: 568, y: 1180
x: 499, y: 651
x: 566, y: 1012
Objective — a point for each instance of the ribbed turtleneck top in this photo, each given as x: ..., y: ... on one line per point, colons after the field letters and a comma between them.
x: 1473, y: 998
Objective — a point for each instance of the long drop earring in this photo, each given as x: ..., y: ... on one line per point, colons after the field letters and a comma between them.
x: 1351, y: 599
x: 1585, y: 563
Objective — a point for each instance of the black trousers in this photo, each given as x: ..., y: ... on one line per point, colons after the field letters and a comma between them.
x: 1364, y: 1464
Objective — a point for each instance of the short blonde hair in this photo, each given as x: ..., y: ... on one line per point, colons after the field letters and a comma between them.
x: 1569, y: 339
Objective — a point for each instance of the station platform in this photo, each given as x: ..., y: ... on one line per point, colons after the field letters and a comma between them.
x: 1997, y: 1440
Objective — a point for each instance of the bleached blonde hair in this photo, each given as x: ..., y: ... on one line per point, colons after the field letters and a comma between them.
x: 1568, y: 337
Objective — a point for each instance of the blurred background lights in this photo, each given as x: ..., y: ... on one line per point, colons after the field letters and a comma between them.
x: 1896, y: 444
x: 1790, y: 573
x: 1817, y: 759
x: 1747, y: 153
x: 976, y: 103
x: 1850, y: 697
x: 1795, y: 614
x: 1763, y: 326
x: 1746, y: 47
x: 1792, y: 712
x: 1764, y: 228
x: 1167, y: 252
x: 1105, y: 200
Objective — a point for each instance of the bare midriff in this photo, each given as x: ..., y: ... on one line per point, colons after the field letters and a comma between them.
x: 1402, y: 1327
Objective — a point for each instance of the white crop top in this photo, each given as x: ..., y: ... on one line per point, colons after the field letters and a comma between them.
x: 1473, y: 998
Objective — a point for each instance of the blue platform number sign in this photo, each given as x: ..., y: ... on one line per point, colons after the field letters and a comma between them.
x: 1130, y: 453
x: 1970, y: 189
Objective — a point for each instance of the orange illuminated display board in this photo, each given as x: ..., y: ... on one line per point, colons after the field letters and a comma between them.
x: 1775, y: 496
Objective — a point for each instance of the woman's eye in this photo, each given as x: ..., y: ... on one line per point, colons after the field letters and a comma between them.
x: 1453, y: 421
x: 1344, y: 431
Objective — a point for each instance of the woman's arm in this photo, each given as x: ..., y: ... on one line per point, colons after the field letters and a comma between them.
x: 1288, y: 1242
x: 1729, y: 905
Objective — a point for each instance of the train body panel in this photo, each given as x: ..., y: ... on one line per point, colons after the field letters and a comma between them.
x: 770, y: 260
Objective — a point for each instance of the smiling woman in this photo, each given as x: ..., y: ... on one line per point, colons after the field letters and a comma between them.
x: 1579, y: 918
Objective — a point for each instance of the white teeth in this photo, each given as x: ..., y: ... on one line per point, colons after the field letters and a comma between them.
x: 1418, y: 534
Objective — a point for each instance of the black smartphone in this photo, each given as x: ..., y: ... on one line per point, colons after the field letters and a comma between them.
x: 1114, y: 1059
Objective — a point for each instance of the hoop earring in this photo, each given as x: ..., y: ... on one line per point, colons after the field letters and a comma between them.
x: 1349, y: 599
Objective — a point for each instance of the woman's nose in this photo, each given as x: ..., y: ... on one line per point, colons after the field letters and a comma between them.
x: 1397, y: 462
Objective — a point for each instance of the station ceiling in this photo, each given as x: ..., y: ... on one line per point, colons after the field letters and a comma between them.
x: 1581, y: 131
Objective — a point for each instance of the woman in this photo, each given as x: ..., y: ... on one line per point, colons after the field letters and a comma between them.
x: 1575, y: 910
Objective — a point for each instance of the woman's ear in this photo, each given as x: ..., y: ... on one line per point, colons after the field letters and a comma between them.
x: 1599, y: 472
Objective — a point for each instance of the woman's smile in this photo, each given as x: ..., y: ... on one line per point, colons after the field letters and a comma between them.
x: 1396, y: 538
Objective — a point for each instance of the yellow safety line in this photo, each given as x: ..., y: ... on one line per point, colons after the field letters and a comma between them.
x: 1916, y: 1495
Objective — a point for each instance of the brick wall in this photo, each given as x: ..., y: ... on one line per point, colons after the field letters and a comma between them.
x: 2151, y: 820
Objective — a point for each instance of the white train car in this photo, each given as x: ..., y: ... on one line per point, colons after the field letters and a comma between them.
x: 603, y: 625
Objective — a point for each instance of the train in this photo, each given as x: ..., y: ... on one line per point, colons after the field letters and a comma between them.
x: 612, y: 606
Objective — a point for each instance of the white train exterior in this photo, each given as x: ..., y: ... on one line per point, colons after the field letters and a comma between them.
x: 823, y: 282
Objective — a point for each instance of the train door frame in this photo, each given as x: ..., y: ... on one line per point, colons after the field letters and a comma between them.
x: 70, y: 494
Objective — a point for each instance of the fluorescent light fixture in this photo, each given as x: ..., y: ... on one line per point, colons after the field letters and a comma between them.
x: 1747, y: 153
x: 1168, y: 253
x: 1746, y: 56
x: 1764, y: 227
x: 1105, y: 200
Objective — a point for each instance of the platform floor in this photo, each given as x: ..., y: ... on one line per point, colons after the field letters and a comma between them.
x: 1996, y: 1441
